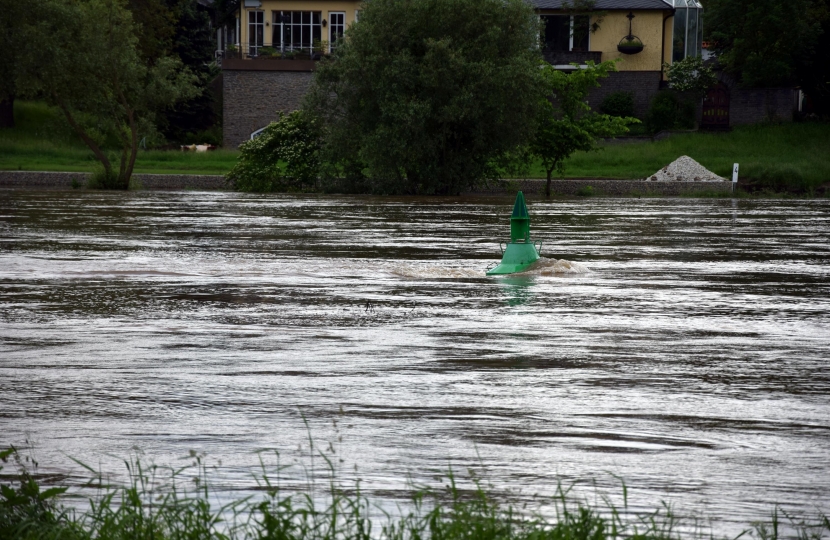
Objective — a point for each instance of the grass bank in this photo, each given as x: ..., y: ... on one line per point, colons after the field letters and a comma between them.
x: 161, y: 504
x: 796, y: 149
x: 771, y: 155
x: 42, y: 141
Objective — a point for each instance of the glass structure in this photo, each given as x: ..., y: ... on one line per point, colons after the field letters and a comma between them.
x: 688, y: 29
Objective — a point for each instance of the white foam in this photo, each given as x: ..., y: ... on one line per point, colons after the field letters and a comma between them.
x: 553, y: 267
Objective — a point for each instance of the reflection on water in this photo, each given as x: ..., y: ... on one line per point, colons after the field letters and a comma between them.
x: 680, y: 344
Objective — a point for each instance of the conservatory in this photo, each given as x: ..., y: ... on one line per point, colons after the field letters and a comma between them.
x: 688, y: 29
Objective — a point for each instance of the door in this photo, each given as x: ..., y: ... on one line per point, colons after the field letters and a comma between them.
x: 716, y: 108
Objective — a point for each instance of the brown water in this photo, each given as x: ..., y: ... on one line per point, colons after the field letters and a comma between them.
x: 679, y: 344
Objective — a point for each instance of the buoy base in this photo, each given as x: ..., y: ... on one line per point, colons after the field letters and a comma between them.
x: 518, y: 257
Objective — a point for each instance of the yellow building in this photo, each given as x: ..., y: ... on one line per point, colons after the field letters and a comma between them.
x: 666, y: 29
x: 641, y: 35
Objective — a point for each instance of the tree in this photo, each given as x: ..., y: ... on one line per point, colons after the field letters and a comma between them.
x: 690, y: 75
x: 284, y: 157
x: 773, y: 43
x: 15, y: 14
x: 429, y: 96
x: 566, y: 123
x: 193, y: 43
x: 83, y: 58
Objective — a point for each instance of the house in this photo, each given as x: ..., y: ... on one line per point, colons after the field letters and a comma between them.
x: 642, y: 34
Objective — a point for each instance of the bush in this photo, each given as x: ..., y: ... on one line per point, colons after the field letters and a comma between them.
x: 667, y: 111
x: 777, y: 178
x: 586, y: 191
x: 618, y: 104
x: 103, y: 179
x: 285, y: 157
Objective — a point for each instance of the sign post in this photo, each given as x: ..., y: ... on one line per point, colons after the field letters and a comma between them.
x: 734, y: 176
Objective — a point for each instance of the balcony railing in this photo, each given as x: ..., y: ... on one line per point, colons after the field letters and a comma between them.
x: 561, y: 58
x: 268, y: 51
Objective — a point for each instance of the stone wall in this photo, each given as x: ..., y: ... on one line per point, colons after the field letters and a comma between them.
x: 643, y: 84
x: 605, y: 187
x: 77, y: 180
x: 64, y: 180
x: 252, y: 100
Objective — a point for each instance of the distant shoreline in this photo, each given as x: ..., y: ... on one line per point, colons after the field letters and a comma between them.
x: 202, y: 182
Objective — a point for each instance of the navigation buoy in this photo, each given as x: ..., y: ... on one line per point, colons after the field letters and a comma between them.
x: 521, y: 252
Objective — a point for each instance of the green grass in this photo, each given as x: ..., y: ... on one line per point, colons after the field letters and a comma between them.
x: 800, y: 146
x: 160, y: 504
x: 42, y: 141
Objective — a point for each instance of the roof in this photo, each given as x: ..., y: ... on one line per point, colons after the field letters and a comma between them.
x: 609, y: 4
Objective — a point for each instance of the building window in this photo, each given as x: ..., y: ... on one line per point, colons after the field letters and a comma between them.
x: 564, y: 33
x: 256, y: 31
x: 296, y: 30
x: 688, y: 29
x: 337, y: 25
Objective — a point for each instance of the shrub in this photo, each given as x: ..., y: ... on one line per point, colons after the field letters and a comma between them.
x: 586, y: 191
x: 103, y: 179
x: 777, y: 178
x: 667, y: 111
x: 618, y: 104
x: 285, y: 157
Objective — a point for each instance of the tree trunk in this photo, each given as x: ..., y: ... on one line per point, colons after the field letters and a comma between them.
x: 7, y: 112
x: 547, y: 186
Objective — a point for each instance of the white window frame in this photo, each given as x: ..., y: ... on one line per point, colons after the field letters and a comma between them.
x: 254, y: 25
x: 331, y: 27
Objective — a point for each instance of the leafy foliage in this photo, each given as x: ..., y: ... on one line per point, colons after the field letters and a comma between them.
x: 429, y: 96
x: 774, y: 43
x: 691, y: 75
x: 667, y: 111
x: 566, y: 123
x: 618, y: 104
x: 284, y: 157
x: 25, y: 509
x: 84, y: 59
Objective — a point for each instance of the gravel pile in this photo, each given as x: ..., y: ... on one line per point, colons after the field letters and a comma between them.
x: 685, y: 169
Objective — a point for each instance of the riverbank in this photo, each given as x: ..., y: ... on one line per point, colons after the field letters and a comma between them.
x: 584, y: 187
x: 42, y: 142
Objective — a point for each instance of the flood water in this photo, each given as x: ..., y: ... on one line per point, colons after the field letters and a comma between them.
x: 686, y: 351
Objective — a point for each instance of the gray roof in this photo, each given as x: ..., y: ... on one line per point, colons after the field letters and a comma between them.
x: 609, y: 4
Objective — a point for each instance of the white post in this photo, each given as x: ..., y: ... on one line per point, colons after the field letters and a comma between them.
x: 734, y: 176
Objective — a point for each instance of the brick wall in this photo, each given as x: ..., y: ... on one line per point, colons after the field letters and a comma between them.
x: 253, y: 98
x: 754, y: 105
x: 643, y: 84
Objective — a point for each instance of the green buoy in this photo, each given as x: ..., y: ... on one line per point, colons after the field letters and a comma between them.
x: 521, y: 251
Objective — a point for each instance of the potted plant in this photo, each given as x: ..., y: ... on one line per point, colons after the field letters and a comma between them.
x: 630, y: 45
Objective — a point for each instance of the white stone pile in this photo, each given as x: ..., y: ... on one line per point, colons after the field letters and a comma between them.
x: 685, y: 169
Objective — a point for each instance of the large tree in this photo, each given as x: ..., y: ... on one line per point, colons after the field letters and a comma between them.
x: 83, y: 57
x: 773, y: 42
x: 428, y: 96
x: 12, y: 41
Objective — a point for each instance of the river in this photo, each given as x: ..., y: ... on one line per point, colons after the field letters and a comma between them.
x: 685, y: 350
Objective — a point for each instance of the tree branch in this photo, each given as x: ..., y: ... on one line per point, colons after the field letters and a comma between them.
x: 96, y: 150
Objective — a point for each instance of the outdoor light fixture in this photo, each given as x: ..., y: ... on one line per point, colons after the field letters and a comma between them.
x: 324, y: 23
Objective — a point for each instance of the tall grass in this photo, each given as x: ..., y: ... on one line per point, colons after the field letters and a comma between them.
x: 161, y: 503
